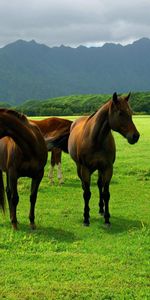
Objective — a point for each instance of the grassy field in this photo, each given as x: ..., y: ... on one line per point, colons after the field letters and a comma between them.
x: 62, y: 259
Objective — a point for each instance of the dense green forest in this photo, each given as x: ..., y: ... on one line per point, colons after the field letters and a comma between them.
x: 78, y: 105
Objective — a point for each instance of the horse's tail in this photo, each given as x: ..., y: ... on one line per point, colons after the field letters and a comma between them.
x: 2, y: 192
x: 59, y: 142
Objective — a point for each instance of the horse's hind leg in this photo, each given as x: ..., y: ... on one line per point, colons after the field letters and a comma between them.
x: 34, y: 189
x: 60, y: 176
x: 84, y: 175
x: 100, y: 187
x: 13, y: 198
x: 57, y: 157
x: 52, y: 164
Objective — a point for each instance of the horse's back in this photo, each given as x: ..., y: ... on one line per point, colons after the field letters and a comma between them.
x: 52, y: 124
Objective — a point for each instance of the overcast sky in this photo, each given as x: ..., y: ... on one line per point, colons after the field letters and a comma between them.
x: 73, y: 23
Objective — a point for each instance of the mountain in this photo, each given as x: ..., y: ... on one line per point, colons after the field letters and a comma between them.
x: 29, y: 70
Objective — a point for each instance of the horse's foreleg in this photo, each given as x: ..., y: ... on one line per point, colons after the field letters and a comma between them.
x: 106, y: 177
x: 85, y: 177
x: 106, y: 195
x: 101, y: 200
x: 34, y: 189
x: 86, y: 196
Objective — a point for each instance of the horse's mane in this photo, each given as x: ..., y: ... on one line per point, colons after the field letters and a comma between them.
x: 14, y: 113
x: 102, y: 104
x: 92, y: 114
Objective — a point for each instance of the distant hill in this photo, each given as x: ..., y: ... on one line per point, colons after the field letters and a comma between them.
x: 31, y: 71
x: 80, y: 105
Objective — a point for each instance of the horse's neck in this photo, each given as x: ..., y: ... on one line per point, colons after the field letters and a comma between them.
x: 101, y: 124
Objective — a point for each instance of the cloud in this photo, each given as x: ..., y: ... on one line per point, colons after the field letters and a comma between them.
x: 86, y: 22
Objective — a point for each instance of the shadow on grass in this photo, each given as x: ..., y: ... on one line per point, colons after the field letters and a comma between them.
x: 77, y: 184
x: 72, y: 184
x: 49, y: 233
x: 54, y: 239
x: 118, y: 224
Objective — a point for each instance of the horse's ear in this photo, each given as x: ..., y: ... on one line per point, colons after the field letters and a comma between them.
x: 115, y: 98
x: 128, y: 96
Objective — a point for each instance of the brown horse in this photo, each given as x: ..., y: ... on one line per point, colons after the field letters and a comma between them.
x: 52, y: 126
x: 23, y: 152
x: 92, y: 147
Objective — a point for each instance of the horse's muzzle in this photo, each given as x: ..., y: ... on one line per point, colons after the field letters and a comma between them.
x: 132, y: 139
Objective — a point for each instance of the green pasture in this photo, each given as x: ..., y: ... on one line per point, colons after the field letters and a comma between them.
x: 62, y: 259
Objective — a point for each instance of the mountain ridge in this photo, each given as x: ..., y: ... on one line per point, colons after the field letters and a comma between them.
x: 29, y: 70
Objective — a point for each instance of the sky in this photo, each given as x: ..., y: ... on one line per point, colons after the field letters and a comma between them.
x: 73, y: 23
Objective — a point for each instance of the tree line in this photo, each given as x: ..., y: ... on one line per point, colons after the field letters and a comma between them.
x: 78, y: 105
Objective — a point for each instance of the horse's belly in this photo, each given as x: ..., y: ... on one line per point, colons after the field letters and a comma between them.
x: 72, y: 147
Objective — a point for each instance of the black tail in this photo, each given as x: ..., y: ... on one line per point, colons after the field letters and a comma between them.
x: 2, y: 193
x: 59, y: 142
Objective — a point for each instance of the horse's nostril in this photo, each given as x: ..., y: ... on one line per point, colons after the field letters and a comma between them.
x: 136, y: 137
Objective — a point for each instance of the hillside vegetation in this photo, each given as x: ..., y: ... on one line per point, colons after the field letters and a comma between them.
x: 80, y: 104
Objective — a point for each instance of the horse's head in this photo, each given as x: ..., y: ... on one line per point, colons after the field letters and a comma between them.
x: 120, y: 118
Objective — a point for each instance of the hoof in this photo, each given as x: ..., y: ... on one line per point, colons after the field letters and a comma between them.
x: 32, y: 226
x: 101, y: 213
x: 14, y: 226
x: 61, y: 182
x: 51, y: 181
x: 106, y: 225
x: 86, y: 224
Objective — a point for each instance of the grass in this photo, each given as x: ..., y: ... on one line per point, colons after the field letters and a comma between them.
x: 62, y: 259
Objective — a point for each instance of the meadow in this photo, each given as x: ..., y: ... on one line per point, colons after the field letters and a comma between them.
x: 62, y: 259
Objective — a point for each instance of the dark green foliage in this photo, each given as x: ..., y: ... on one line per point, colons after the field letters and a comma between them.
x: 141, y: 102
x: 80, y: 104
x: 4, y: 104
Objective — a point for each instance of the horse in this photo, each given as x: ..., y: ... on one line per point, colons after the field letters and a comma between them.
x: 92, y: 147
x: 23, y: 152
x: 48, y: 127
